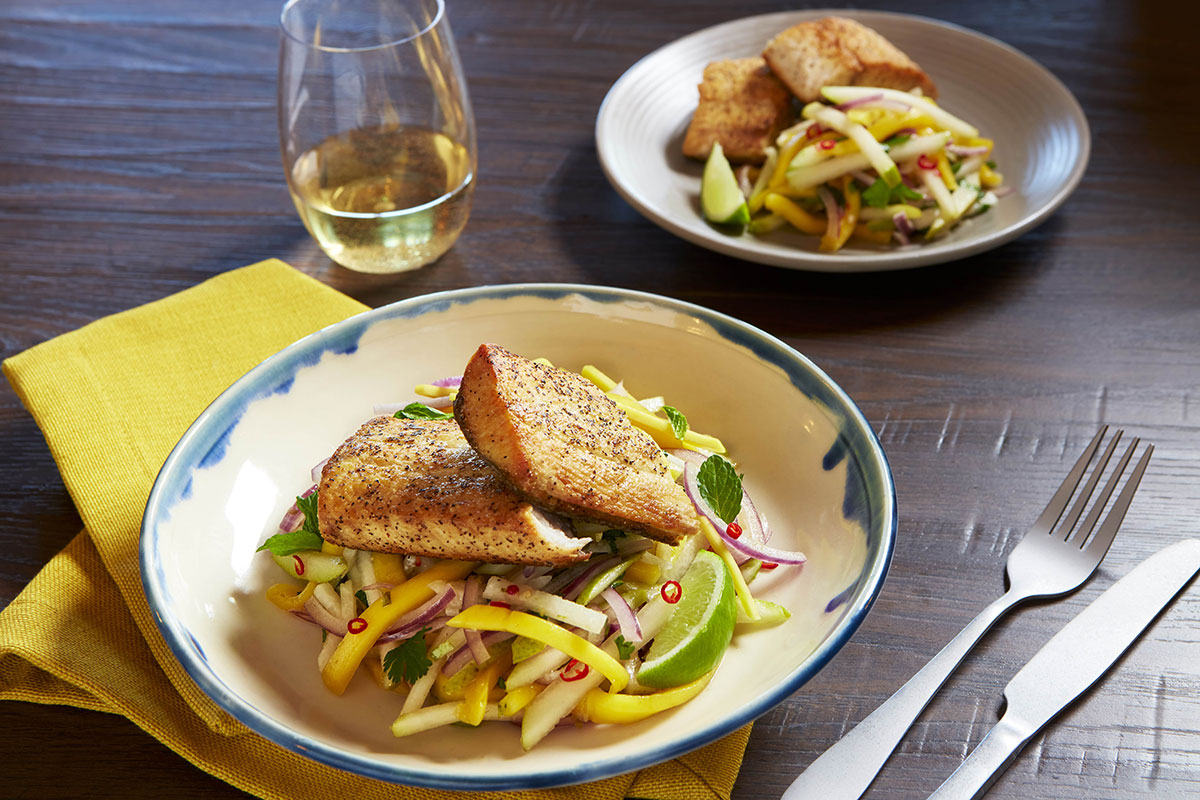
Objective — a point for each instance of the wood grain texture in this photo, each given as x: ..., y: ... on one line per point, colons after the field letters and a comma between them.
x: 139, y: 156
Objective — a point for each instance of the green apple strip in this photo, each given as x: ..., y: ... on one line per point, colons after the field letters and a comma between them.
x: 817, y: 174
x: 846, y: 94
x: 873, y: 150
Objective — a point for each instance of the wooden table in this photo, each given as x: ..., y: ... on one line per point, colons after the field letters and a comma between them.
x: 139, y: 156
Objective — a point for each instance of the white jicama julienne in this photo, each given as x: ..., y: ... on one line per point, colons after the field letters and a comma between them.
x: 825, y: 171
x: 847, y: 94
x: 873, y: 150
x: 550, y: 605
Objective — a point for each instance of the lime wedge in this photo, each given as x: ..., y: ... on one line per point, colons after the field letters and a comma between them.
x: 721, y: 198
x: 696, y: 635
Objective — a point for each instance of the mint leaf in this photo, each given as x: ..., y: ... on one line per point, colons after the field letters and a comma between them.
x: 721, y: 487
x: 408, y: 662
x: 678, y: 421
x: 879, y: 194
x: 876, y: 195
x: 308, y: 505
x: 286, y: 544
x: 421, y: 411
x: 624, y: 649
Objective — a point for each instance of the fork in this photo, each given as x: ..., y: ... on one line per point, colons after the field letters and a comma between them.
x: 1053, y: 558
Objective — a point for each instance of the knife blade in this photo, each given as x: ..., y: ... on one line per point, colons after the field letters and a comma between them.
x: 1072, y: 661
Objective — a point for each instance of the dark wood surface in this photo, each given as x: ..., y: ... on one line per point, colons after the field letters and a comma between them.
x: 139, y: 156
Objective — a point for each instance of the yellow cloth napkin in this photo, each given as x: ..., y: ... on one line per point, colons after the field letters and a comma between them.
x: 112, y: 399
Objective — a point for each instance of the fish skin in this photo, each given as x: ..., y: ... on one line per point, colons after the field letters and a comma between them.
x: 568, y: 447
x: 416, y: 487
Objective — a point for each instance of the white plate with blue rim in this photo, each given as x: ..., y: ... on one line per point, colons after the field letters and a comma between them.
x: 1041, y: 135
x: 813, y: 465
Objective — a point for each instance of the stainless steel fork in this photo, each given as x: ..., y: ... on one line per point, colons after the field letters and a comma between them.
x: 1054, y: 557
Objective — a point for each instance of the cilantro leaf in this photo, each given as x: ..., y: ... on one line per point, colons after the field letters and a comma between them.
x: 679, y: 425
x: 408, y: 662
x: 421, y: 411
x: 362, y: 598
x: 895, y: 140
x: 307, y: 538
x: 610, y: 538
x: 721, y: 487
x: 624, y: 649
x: 879, y: 194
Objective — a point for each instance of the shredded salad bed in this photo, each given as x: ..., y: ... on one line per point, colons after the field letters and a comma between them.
x: 540, y: 646
x: 875, y: 164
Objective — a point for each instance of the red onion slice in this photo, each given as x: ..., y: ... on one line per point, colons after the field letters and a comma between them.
x: 462, y: 655
x: 747, y: 549
x: 833, y: 214
x: 576, y: 586
x: 451, y: 383
x: 626, y: 619
x: 858, y: 101
x: 966, y: 150
x: 412, y: 629
x: 316, y: 470
x: 293, y: 520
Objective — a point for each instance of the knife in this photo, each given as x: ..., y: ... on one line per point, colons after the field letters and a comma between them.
x: 1072, y: 661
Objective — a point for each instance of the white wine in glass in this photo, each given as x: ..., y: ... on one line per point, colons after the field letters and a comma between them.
x: 376, y: 130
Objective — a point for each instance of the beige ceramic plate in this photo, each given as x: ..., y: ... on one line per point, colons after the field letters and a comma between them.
x: 1041, y: 135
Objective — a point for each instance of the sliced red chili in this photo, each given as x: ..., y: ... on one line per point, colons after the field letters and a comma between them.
x: 925, y: 162
x: 814, y: 131
x: 511, y: 589
x: 299, y: 565
x: 827, y: 144
x: 734, y: 530
x: 671, y: 592
x: 356, y: 625
x: 768, y: 565
x: 574, y: 670
x: 498, y: 604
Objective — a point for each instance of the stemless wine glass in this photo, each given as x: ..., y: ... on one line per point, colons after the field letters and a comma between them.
x: 376, y: 129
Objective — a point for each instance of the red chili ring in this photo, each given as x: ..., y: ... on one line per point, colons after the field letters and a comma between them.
x: 498, y: 604
x: 768, y: 565
x: 299, y: 565
x: 356, y: 625
x: 734, y: 530
x: 674, y: 595
x: 827, y: 144
x: 511, y: 589
x: 582, y: 672
x: 814, y: 131
x: 925, y: 162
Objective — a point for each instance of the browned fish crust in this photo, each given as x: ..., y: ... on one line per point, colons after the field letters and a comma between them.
x: 836, y: 51
x: 416, y: 487
x: 743, y: 106
x: 568, y: 447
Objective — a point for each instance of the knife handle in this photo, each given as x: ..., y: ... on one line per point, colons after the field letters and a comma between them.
x: 844, y: 771
x: 989, y: 758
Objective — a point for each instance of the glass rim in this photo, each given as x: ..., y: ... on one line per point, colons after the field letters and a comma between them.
x: 433, y: 23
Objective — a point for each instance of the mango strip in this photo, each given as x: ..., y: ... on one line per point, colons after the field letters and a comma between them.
x: 861, y: 231
x: 943, y: 165
x: 850, y: 214
x: 793, y: 213
x: 739, y: 582
x: 429, y: 390
x: 886, y: 128
x: 475, y: 697
x: 290, y: 597
x: 495, y: 618
x: 602, y: 707
x: 660, y: 429
x: 379, y: 617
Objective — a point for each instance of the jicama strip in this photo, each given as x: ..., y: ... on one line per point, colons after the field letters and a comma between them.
x: 837, y: 167
x: 944, y: 119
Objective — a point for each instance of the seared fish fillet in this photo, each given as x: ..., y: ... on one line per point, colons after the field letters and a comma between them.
x: 743, y: 106
x: 568, y: 447
x: 416, y: 487
x: 836, y: 51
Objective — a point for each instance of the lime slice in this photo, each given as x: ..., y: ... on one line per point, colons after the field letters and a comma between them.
x: 721, y: 198
x: 696, y: 635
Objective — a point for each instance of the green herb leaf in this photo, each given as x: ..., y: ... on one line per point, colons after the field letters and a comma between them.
x: 408, y: 662
x: 286, y: 544
x: 895, y: 140
x: 610, y: 538
x: 624, y: 649
x: 500, y: 684
x: 721, y: 487
x: 362, y: 597
x: 308, y: 505
x: 679, y: 425
x: 879, y: 194
x: 421, y: 411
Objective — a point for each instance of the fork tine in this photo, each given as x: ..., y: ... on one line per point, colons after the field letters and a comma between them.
x: 1108, y: 531
x: 1059, y: 501
x: 1064, y: 529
